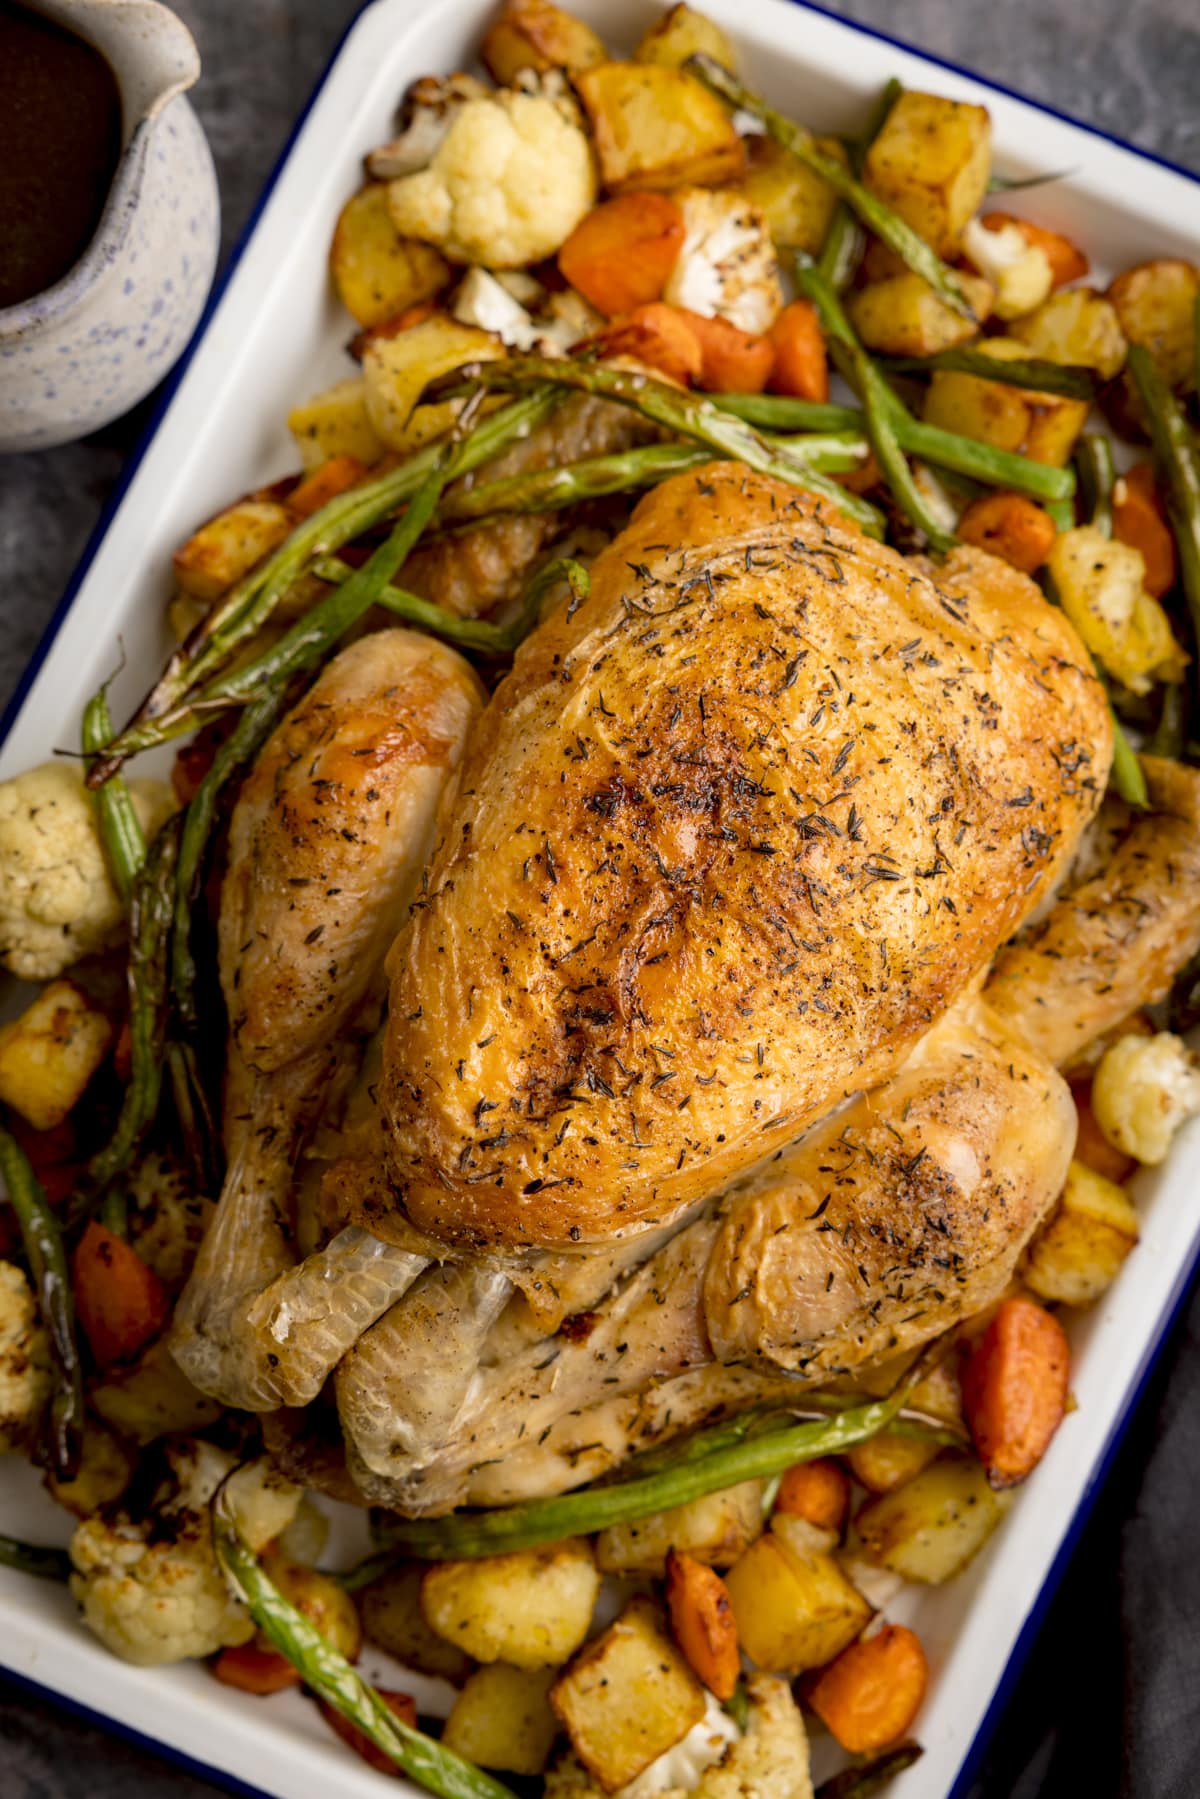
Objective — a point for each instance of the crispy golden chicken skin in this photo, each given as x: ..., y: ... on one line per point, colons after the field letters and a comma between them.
x: 730, y: 837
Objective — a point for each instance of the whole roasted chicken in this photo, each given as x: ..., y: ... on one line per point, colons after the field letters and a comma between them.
x: 690, y: 1061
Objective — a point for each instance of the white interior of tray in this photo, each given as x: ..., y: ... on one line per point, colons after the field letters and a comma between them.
x: 276, y: 337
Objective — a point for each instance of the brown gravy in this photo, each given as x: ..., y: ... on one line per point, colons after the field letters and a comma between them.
x: 60, y: 142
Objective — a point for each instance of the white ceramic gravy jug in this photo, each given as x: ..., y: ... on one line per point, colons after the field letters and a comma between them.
x: 88, y: 348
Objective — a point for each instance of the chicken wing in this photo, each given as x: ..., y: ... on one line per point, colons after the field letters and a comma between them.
x: 327, y: 842
x: 729, y: 839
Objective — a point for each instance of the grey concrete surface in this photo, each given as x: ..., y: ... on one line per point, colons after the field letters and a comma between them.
x: 1109, y: 1702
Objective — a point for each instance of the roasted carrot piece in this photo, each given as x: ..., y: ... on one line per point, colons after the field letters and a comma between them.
x: 325, y: 483
x: 1011, y: 526
x: 1092, y: 1147
x: 869, y: 1695
x: 401, y: 1705
x: 703, y: 1623
x: 1140, y: 521
x: 818, y: 1491
x: 1014, y: 1389
x: 255, y: 1670
x: 800, y: 367
x: 731, y: 361
x: 659, y: 337
x: 1067, y: 261
x: 620, y: 255
x: 121, y: 1302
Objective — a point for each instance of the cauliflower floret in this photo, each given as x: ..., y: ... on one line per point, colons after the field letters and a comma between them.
x: 1019, y: 271
x: 507, y: 185
x: 714, y: 1761
x: 150, y: 1588
x: 1143, y: 1090
x: 727, y: 267
x: 482, y: 301
x: 167, y: 1220
x: 57, y: 902
x: 24, y: 1361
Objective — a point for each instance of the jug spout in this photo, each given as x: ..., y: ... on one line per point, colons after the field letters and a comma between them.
x: 150, y: 50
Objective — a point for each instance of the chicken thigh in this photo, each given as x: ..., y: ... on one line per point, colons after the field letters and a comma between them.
x: 327, y: 842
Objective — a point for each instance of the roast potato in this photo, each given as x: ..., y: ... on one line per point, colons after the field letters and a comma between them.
x: 714, y: 1529
x: 502, y: 1719
x: 929, y: 1529
x: 392, y: 1617
x: 396, y: 369
x: 532, y: 1608
x: 1039, y: 425
x: 888, y: 1460
x: 654, y: 126
x: 50, y: 1053
x: 628, y: 1697
x: 533, y: 34
x: 797, y: 205
x: 1156, y: 304
x: 229, y: 545
x: 335, y: 423
x: 1076, y: 326
x: 903, y: 316
x: 1079, y: 1252
x: 684, y: 32
x: 794, y: 1607
x: 377, y: 272
x: 931, y: 163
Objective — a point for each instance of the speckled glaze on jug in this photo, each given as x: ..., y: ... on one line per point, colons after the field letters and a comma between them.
x: 90, y: 347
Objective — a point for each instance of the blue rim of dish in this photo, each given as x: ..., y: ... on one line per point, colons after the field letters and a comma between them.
x: 971, y: 1763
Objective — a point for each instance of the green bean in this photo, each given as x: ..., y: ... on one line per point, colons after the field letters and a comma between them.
x: 874, y: 213
x: 146, y: 980
x: 114, y: 1212
x: 470, y: 633
x: 778, y: 412
x: 1067, y: 379
x: 547, y: 490
x: 845, y: 239
x: 945, y: 449
x: 120, y: 827
x: 1097, y: 476
x: 1062, y: 512
x: 330, y: 1676
x: 1178, y: 459
x: 239, y: 749
x: 687, y: 414
x: 870, y: 1777
x: 470, y: 1534
x: 1170, y: 733
x: 242, y: 612
x: 32, y: 1558
x: 194, y: 1115
x: 879, y: 407
x: 43, y: 1244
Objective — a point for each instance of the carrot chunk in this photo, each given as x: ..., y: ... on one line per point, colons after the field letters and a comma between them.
x: 1067, y: 261
x: 325, y: 484
x: 1140, y: 522
x: 818, y: 1491
x: 869, y: 1695
x: 800, y: 367
x: 620, y: 255
x: 401, y: 1705
x: 1014, y: 1389
x: 731, y: 361
x: 703, y: 1623
x: 255, y: 1670
x: 659, y: 337
x: 1012, y: 527
x: 121, y: 1302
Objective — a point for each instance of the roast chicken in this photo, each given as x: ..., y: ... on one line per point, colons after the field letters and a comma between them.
x: 695, y: 1090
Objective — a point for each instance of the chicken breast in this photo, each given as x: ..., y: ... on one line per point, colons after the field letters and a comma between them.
x: 729, y: 839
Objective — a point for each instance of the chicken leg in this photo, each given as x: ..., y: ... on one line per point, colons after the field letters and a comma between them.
x: 327, y: 842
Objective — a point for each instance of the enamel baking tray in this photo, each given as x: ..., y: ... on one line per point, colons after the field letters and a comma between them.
x: 273, y: 335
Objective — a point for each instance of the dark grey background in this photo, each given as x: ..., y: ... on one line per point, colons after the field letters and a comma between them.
x: 1109, y: 1701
